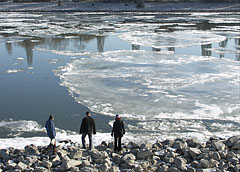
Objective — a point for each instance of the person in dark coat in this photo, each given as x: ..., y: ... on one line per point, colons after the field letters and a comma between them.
x: 118, y: 131
x: 87, y: 128
x: 51, y: 133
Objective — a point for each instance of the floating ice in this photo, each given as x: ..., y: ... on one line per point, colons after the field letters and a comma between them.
x: 13, y: 71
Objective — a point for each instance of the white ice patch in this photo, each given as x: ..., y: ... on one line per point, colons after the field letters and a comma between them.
x: 10, y: 71
x: 179, y: 39
x: 142, y: 84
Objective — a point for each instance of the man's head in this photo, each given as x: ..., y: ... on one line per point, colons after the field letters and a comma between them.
x: 117, y: 117
x: 88, y: 113
x: 51, y: 117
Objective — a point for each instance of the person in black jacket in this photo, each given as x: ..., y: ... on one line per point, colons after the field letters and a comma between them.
x: 87, y: 128
x: 118, y: 131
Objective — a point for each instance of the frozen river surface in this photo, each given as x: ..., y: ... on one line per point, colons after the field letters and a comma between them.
x: 167, y: 74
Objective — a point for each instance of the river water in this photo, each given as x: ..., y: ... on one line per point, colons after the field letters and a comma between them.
x: 167, y: 75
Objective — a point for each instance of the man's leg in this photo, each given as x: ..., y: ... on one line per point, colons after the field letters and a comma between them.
x: 90, y: 141
x: 115, y: 144
x: 83, y: 140
x: 119, y: 143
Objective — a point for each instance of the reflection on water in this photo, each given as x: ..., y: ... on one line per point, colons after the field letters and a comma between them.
x: 182, y: 60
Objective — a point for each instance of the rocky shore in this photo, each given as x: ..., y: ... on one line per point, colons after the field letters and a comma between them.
x: 169, y: 155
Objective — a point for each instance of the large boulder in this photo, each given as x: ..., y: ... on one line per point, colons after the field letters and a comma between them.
x: 218, y: 145
x: 232, y: 141
x: 194, y: 152
x: 142, y: 154
x: 31, y: 149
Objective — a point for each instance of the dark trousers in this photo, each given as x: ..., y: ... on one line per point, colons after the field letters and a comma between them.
x: 90, y: 140
x: 117, y: 143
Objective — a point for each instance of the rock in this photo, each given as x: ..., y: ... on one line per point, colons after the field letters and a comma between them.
x: 173, y: 169
x: 193, y: 143
x: 103, y: 167
x: 72, y: 163
x: 75, y: 154
x: 163, y: 168
x: 236, y: 146
x: 204, y: 163
x: 190, y: 169
x: 21, y: 166
x: 10, y: 165
x: 232, y: 141
x: 40, y: 169
x: 31, y: 149
x: 180, y: 146
x: 101, y: 147
x: 4, y: 154
x: 180, y: 161
x: 30, y: 160
x: 128, y: 157
x: 194, y: 152
x: 144, y: 154
x: 170, y: 154
x: 74, y: 169
x: 218, y: 145
x: 114, y: 169
x: 96, y: 154
x: 215, y: 155
x: 132, y: 145
x: 168, y: 143
x: 47, y: 164
x: 116, y: 158
x: 86, y: 163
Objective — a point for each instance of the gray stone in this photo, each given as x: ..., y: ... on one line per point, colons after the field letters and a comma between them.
x: 194, y: 152
x: 114, y: 169
x: 173, y: 169
x: 190, y: 169
x: 194, y: 164
x: 40, y: 169
x: 169, y: 160
x: 74, y: 169
x: 180, y: 146
x: 4, y: 154
x: 170, y: 154
x: 75, y: 154
x: 163, y: 168
x: 236, y: 146
x: 204, y: 163
x: 180, y: 161
x: 168, y: 143
x: 10, y: 165
x: 21, y: 166
x: 96, y: 154
x: 31, y: 149
x: 103, y: 167
x: 232, y: 141
x: 218, y: 145
x: 116, y: 158
x: 128, y: 157
x: 47, y: 164
x: 223, y: 154
x: 30, y: 160
x: 144, y: 154
x: 67, y: 164
x: 101, y: 148
x: 215, y: 155
x: 192, y: 143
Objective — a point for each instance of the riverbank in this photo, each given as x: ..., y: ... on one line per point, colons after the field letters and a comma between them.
x: 168, y: 155
x: 118, y: 7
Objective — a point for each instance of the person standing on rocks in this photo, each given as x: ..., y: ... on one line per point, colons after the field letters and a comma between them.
x: 118, y: 131
x: 87, y: 128
x: 50, y: 127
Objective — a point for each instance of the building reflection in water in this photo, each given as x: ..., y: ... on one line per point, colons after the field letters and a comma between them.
x: 8, y: 46
x: 100, y: 43
x: 205, y: 51
x: 135, y: 47
x: 237, y: 44
x: 223, y: 44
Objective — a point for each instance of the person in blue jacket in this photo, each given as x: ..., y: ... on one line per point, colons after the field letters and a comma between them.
x: 51, y: 133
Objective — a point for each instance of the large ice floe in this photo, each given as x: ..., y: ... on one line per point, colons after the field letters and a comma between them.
x: 162, y: 94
